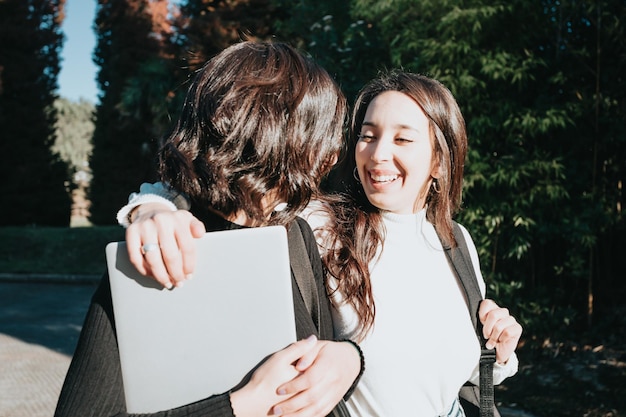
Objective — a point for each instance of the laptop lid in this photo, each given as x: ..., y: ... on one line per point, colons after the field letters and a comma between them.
x: 183, y: 345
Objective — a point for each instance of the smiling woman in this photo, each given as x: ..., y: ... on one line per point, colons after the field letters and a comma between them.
x: 394, y: 154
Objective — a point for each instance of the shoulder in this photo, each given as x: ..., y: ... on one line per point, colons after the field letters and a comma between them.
x: 467, y: 236
x: 316, y: 214
x: 305, y: 228
x: 309, y: 238
x: 473, y: 252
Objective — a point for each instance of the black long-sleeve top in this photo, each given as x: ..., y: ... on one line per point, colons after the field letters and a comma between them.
x: 93, y: 385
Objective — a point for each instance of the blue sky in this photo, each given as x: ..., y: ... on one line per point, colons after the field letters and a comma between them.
x: 78, y: 72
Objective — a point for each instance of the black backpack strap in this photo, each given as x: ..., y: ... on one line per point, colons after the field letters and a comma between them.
x: 461, y: 264
x: 305, y: 279
x: 303, y: 271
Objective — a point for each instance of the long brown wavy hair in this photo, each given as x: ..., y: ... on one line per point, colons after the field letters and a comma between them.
x: 355, y: 230
x: 258, y: 118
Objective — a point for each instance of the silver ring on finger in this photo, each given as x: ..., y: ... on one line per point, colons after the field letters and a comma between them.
x: 148, y: 247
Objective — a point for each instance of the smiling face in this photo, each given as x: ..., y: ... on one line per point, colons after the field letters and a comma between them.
x: 394, y: 154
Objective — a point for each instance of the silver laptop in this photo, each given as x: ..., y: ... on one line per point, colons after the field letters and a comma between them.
x: 182, y: 345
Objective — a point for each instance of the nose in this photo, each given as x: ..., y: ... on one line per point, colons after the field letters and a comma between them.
x: 381, y: 150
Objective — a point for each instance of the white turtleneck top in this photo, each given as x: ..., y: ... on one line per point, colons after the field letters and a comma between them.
x: 423, y: 346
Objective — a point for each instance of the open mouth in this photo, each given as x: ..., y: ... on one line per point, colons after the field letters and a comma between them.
x: 383, y: 179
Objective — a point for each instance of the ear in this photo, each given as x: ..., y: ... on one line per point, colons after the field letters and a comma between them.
x: 435, y: 172
x: 334, y: 160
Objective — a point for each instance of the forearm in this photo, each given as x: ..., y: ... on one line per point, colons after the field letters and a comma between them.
x: 93, y: 385
x: 501, y: 371
x: 361, y: 358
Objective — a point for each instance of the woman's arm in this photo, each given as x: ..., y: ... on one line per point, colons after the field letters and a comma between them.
x: 174, y: 233
x: 500, y: 329
x: 157, y: 192
x: 330, y: 372
x: 503, y: 333
x: 93, y: 384
x: 328, y: 376
x: 153, y: 211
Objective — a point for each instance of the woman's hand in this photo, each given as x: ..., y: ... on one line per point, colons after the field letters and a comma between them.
x: 173, y: 259
x: 259, y: 396
x: 327, y: 373
x: 500, y: 329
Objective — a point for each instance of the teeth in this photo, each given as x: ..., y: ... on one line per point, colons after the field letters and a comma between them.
x: 384, y: 178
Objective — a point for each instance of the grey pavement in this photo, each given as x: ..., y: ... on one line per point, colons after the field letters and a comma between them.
x: 40, y: 321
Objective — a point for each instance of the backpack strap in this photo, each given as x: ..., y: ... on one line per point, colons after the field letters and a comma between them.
x: 305, y: 279
x: 303, y: 271
x: 461, y: 264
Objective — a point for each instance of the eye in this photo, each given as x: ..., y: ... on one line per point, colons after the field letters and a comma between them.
x: 404, y: 140
x: 366, y: 138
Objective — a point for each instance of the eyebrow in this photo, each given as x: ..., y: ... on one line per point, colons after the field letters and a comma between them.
x: 399, y: 126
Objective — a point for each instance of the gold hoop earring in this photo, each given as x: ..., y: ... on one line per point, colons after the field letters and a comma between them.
x: 436, y: 186
x: 355, y: 174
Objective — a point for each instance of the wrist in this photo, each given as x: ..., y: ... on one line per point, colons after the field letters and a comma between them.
x: 235, y: 401
x: 357, y: 348
x: 125, y: 216
x: 239, y: 402
x: 147, y: 210
x: 130, y: 217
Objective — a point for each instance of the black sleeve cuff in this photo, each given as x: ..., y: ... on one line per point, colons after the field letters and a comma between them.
x: 358, y: 377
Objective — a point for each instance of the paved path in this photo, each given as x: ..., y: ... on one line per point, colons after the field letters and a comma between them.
x: 39, y: 326
x: 30, y: 378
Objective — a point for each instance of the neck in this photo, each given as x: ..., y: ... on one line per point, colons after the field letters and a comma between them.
x: 242, y: 219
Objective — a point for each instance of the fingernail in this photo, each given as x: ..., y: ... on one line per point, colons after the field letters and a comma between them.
x: 180, y: 284
x: 489, y: 345
x: 277, y: 411
x: 282, y: 391
x: 169, y: 285
x: 311, y: 338
x: 189, y: 276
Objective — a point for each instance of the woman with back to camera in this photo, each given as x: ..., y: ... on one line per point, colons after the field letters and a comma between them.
x: 254, y: 112
x: 391, y: 285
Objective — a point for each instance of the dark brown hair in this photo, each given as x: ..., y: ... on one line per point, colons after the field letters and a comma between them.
x: 259, y: 117
x: 355, y: 229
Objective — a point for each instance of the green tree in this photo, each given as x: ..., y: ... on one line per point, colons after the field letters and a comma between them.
x: 74, y: 130
x: 589, y: 48
x: 545, y: 114
x: 348, y: 47
x: 191, y: 35
x: 156, y: 91
x: 34, y: 179
x: 143, y: 95
x: 130, y: 33
x: 208, y: 26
